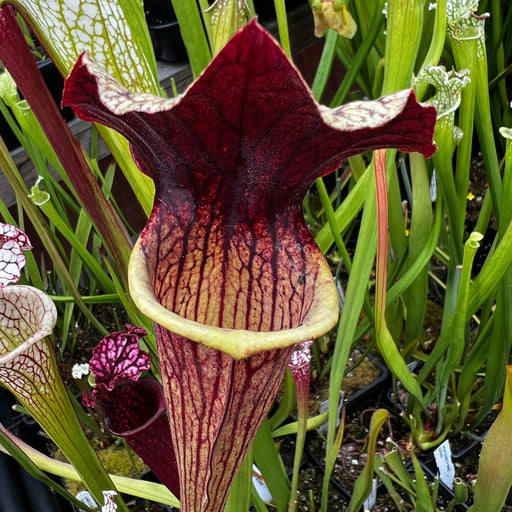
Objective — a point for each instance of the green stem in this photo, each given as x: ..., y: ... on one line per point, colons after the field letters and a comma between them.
x: 385, y: 342
x: 465, y: 53
x: 437, y: 44
x: 404, y: 29
x: 484, y: 127
x: 282, y: 26
x: 37, y: 221
x: 240, y: 493
x: 323, y: 70
x: 499, y: 349
x: 270, y: 464
x: 302, y: 387
x: 361, y: 55
x: 191, y: 28
x: 420, y: 229
x: 357, y: 288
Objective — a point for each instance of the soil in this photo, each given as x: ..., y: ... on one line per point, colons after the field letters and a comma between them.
x: 477, y: 189
x: 310, y: 485
x: 364, y: 372
x: 352, y: 456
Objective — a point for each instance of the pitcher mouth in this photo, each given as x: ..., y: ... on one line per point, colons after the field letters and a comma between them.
x: 158, y: 409
x: 238, y: 343
x: 43, y: 317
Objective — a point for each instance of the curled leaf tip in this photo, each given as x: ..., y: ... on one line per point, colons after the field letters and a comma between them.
x: 12, y: 244
x: 226, y: 266
x: 118, y: 358
x: 299, y: 366
x: 110, y: 504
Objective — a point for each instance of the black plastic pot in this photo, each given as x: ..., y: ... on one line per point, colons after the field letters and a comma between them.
x: 164, y: 31
x: 19, y: 491
x: 7, y: 135
x: 361, y: 404
x: 445, y: 495
x: 266, y: 11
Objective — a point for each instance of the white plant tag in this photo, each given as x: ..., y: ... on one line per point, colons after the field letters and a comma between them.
x: 86, y: 498
x: 260, y: 485
x: 324, y: 407
x: 443, y: 456
x: 433, y: 187
x: 372, y: 497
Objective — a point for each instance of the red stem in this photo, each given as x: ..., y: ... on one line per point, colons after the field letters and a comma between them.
x: 17, y: 58
x: 381, y: 187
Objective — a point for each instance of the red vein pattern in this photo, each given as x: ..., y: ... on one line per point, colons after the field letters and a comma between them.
x: 28, y: 363
x: 136, y: 410
x: 134, y: 407
x: 29, y: 369
x: 12, y: 244
x: 226, y: 250
x: 218, y: 404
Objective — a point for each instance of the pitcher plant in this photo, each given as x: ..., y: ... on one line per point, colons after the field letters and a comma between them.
x: 226, y: 266
x: 133, y: 407
x: 29, y: 367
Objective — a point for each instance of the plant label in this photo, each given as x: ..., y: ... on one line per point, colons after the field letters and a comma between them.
x: 372, y: 497
x: 324, y: 407
x: 443, y: 456
x: 86, y: 498
x: 260, y: 485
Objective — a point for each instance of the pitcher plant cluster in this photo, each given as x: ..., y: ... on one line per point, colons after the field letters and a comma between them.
x: 239, y: 269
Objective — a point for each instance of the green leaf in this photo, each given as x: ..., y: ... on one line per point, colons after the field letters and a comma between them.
x: 239, y: 498
x: 266, y: 457
x: 404, y: 27
x: 141, y: 488
x: 423, y: 497
x: 195, y: 40
x: 415, y: 297
x: 292, y: 428
x: 494, y: 470
x: 363, y: 484
x: 226, y: 17
x: 113, y: 33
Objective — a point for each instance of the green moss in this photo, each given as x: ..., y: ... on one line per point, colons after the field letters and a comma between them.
x: 117, y: 459
x: 120, y: 460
